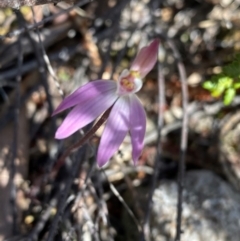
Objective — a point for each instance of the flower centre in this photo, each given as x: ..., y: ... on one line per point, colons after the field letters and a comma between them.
x: 129, y: 82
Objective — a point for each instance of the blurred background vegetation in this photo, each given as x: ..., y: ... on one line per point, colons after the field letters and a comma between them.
x: 46, y: 198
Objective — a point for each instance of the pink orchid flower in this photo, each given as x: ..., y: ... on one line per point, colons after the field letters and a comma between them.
x: 127, y: 114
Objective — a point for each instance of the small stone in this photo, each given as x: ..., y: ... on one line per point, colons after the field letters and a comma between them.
x: 194, y: 79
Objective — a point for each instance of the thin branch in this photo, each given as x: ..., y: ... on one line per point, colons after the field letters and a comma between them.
x: 93, y: 228
x: 184, y: 137
x: 75, y: 167
x: 46, y: 59
x: 28, y: 66
x: 120, y: 198
x: 44, y: 21
x: 161, y: 101
x: 102, y: 214
x: 115, y: 15
x: 12, y: 73
x: 90, y: 223
x: 41, y: 64
x: 45, y: 215
x: 84, y: 139
x: 120, y: 55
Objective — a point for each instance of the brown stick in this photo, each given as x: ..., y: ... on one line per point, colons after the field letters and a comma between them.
x: 16, y: 4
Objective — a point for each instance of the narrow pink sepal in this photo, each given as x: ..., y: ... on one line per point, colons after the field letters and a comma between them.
x: 146, y: 58
x: 85, y: 113
x: 85, y: 93
x: 137, y: 127
x: 115, y: 130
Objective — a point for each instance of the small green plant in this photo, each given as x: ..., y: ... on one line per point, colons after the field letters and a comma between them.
x: 226, y: 83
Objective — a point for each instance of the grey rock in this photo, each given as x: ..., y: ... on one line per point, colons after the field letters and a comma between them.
x: 211, y: 209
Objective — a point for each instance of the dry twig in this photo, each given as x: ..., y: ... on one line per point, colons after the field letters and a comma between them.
x: 44, y: 21
x: 184, y: 136
x: 161, y: 101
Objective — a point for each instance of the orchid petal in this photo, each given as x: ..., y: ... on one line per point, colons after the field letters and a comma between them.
x: 115, y: 130
x: 86, y: 112
x: 86, y: 93
x: 137, y: 127
x: 146, y: 59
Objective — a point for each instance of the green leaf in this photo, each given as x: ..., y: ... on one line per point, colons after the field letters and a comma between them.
x: 218, y: 90
x: 229, y: 96
x: 236, y: 85
x: 226, y: 81
x: 233, y: 69
x: 209, y: 85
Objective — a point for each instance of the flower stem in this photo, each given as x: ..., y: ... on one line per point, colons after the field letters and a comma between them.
x: 84, y: 139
